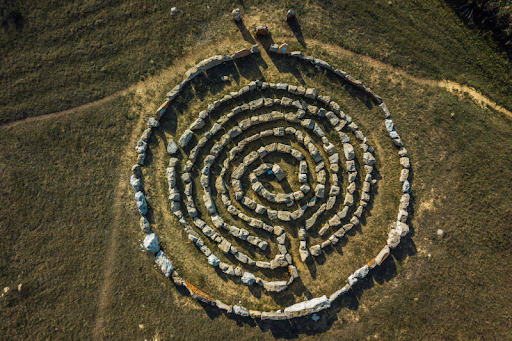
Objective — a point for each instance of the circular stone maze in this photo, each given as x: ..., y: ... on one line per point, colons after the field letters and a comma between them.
x: 249, y: 176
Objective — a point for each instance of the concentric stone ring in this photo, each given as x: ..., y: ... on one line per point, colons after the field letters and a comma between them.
x: 230, y: 156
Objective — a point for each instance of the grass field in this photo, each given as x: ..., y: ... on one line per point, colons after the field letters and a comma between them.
x: 68, y: 224
x: 62, y: 56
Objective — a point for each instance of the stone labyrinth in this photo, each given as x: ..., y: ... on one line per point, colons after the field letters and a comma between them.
x: 239, y: 179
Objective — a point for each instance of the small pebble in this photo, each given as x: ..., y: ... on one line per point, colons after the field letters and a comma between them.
x: 225, y: 78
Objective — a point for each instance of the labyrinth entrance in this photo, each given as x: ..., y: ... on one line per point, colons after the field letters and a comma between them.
x: 264, y: 186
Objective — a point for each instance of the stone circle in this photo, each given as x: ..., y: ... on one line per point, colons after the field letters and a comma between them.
x: 242, y: 148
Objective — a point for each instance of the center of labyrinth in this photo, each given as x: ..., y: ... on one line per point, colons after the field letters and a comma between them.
x: 273, y: 174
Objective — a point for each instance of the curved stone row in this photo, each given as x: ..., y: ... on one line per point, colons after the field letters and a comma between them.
x: 315, y: 250
x: 224, y: 245
x: 287, y: 218
x: 281, y: 198
x: 151, y: 242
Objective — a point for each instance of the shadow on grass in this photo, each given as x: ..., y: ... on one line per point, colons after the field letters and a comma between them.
x: 295, y: 27
x: 293, y: 328
x: 245, y: 32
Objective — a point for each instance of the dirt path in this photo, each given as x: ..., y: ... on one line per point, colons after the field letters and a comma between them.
x: 117, y: 212
x: 152, y: 83
x: 450, y: 86
x: 68, y: 111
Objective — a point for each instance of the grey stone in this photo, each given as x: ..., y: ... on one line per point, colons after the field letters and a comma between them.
x: 185, y: 138
x: 197, y: 124
x: 248, y: 278
x: 241, y: 311
x: 140, y: 200
x: 308, y: 307
x: 172, y: 147
x: 368, y: 159
x: 311, y: 93
x: 322, y: 177
x: 278, y: 172
x: 136, y: 183
x: 304, y: 254
x: 319, y: 191
x: 276, y: 286
x: 164, y: 263
x: 284, y: 148
x: 404, y: 162
x: 393, y: 238
x: 348, y: 149
x: 329, y: 148
x: 284, y: 215
x: 404, y: 174
x: 151, y: 243
x: 349, y: 200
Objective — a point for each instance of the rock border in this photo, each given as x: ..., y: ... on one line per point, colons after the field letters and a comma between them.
x: 151, y: 242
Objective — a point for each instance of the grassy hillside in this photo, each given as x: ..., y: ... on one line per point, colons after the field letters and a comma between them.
x: 69, y: 227
x: 61, y: 56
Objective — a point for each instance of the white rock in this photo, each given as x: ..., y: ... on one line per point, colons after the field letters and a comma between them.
x: 151, y: 243
x: 248, y: 278
x: 172, y: 147
x: 213, y: 260
x: 164, y: 263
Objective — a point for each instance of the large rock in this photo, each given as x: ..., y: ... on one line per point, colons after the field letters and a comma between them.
x: 338, y: 293
x: 250, y: 158
x: 210, y: 62
x: 239, y: 171
x: 240, y: 54
x: 283, y: 49
x: 164, y: 263
x: 349, y: 200
x: 237, y: 15
x: 322, y: 177
x: 308, y: 307
x: 284, y: 215
x: 319, y: 191
x: 248, y: 278
x: 278, y: 172
x: 368, y: 159
x: 172, y: 147
x: 348, y: 149
x: 362, y: 272
x: 315, y: 250
x: 402, y: 228
x: 136, y: 183
x: 262, y: 30
x: 185, y: 138
x: 304, y: 254
x: 311, y: 93
x: 383, y: 254
x: 151, y: 243
x: 393, y: 238
x: 197, y: 124
x: 140, y: 199
x: 144, y: 225
x: 137, y: 171
x: 276, y: 286
x: 241, y: 311
x: 290, y: 15
x: 213, y: 260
